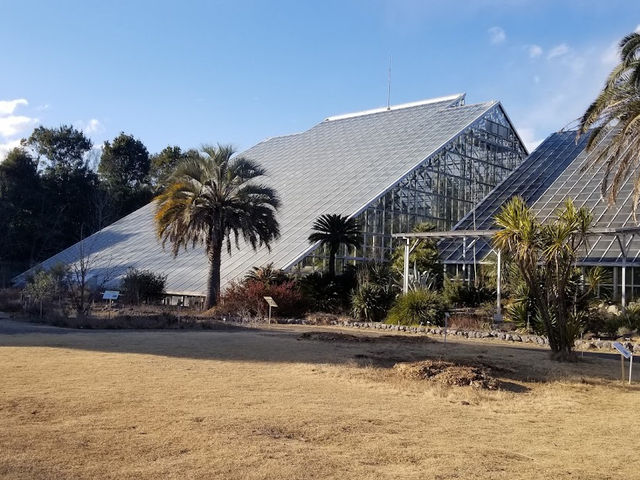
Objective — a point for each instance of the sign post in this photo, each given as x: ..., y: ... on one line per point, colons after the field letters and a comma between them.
x: 271, y: 302
x: 446, y: 326
x: 110, y: 295
x: 624, y: 353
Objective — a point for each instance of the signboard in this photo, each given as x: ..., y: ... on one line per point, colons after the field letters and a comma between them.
x: 271, y: 302
x: 110, y: 295
x: 623, y: 351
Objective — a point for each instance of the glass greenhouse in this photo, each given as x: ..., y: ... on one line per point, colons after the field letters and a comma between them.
x: 391, y: 168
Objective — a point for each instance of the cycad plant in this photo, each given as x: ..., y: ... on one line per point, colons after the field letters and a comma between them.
x: 214, y: 200
x: 267, y: 275
x: 616, y: 113
x: 546, y: 256
x: 333, y: 230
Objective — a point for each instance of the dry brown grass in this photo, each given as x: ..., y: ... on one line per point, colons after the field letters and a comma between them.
x: 268, y: 404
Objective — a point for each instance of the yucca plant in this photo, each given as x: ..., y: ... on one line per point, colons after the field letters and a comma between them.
x: 546, y: 256
x: 213, y: 200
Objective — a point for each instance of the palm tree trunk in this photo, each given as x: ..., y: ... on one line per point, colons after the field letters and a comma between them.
x: 213, y: 282
x: 332, y: 262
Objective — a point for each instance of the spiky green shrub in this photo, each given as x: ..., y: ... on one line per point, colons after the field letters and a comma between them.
x: 631, y: 316
x: 370, y: 303
x: 374, y: 293
x: 462, y: 294
x: 418, y: 307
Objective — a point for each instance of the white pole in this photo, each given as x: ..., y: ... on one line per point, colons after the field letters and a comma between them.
x: 624, y: 284
x: 269, y: 314
x: 498, y: 286
x: 405, y: 278
x: 464, y: 259
x: 630, y: 367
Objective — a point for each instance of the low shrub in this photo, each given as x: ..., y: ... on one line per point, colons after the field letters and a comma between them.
x: 321, y: 318
x: 610, y: 325
x: 123, y: 321
x: 469, y: 321
x: 325, y: 294
x: 247, y: 299
x: 609, y: 321
x: 10, y: 300
x: 142, y: 286
x: 39, y: 293
x: 418, y: 307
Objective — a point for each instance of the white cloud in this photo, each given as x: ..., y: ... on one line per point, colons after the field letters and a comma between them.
x: 610, y: 56
x: 93, y: 126
x: 534, y: 51
x: 561, y: 90
x: 5, y: 148
x: 529, y: 138
x: 637, y: 30
x: 7, y: 107
x: 90, y: 126
x: 558, y: 51
x: 497, y: 35
x: 12, y: 126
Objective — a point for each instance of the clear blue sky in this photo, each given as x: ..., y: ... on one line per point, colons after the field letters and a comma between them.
x: 188, y: 73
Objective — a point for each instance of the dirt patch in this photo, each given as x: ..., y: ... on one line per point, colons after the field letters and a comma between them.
x: 345, y: 337
x: 448, y: 373
x: 333, y: 337
x: 277, y: 432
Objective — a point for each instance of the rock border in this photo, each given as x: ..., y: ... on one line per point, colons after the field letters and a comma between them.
x: 592, y: 344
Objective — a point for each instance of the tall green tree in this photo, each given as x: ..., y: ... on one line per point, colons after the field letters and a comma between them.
x: 214, y: 200
x: 64, y: 147
x: 20, y: 206
x: 334, y: 230
x: 124, y: 162
x: 68, y: 185
x: 163, y: 165
x: 546, y: 257
x: 124, y: 170
x: 616, y: 113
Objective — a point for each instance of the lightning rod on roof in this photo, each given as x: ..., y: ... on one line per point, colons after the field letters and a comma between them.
x: 389, y: 86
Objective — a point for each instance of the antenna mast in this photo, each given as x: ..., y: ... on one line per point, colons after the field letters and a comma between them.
x: 389, y: 86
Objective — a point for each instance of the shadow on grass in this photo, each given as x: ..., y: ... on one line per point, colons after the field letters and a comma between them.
x: 511, y: 364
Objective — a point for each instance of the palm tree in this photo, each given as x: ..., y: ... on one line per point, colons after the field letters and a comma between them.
x: 616, y: 112
x: 212, y: 198
x: 333, y: 230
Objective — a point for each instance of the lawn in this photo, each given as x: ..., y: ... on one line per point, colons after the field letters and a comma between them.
x: 264, y: 404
